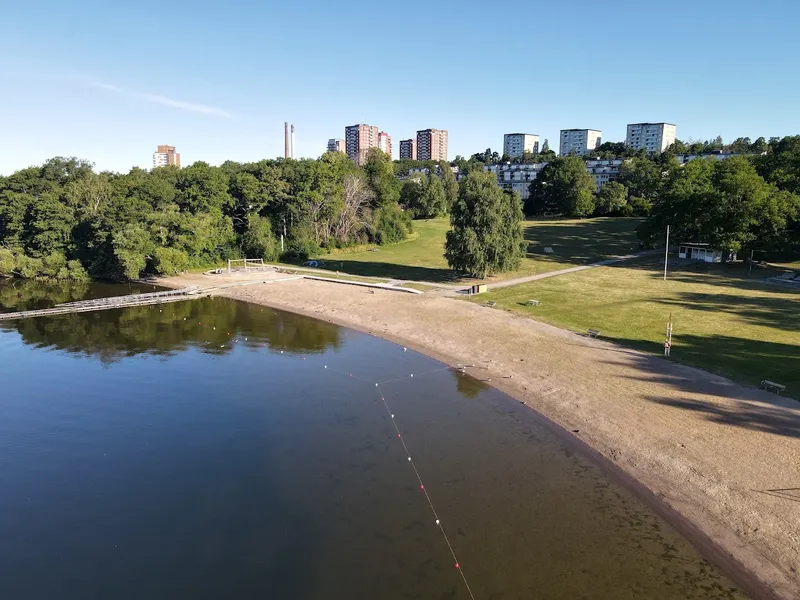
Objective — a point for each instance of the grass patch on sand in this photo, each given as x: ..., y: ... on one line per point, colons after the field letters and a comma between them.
x: 421, y: 258
x: 723, y: 321
x: 422, y: 287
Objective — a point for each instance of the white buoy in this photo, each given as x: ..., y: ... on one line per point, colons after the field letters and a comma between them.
x: 376, y: 385
x: 437, y: 521
x: 409, y: 459
x: 412, y: 374
x: 326, y: 366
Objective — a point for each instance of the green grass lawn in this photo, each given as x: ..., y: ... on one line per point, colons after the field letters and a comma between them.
x: 422, y: 287
x: 421, y: 258
x: 723, y: 321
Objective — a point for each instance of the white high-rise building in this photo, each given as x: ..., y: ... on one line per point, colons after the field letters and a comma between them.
x: 579, y: 141
x: 515, y: 144
x: 653, y: 137
x: 165, y: 156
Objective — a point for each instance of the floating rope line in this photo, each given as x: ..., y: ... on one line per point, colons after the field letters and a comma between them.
x: 425, y: 491
x: 437, y: 520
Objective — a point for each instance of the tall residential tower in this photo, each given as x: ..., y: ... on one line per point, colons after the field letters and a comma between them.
x: 432, y: 144
x: 166, y: 156
x: 653, y: 137
x: 336, y: 145
x: 358, y: 140
x: 579, y: 141
x: 408, y: 149
x: 385, y: 142
x: 515, y: 144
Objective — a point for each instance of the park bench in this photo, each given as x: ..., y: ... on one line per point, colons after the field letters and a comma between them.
x: 771, y: 385
x: 593, y: 333
x: 532, y: 303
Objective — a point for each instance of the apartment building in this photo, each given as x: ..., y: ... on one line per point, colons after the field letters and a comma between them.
x: 166, y: 156
x: 515, y: 144
x: 518, y: 178
x: 336, y: 145
x: 432, y: 144
x: 653, y: 137
x: 579, y: 141
x: 603, y: 171
x: 385, y: 142
x: 408, y: 149
x: 358, y: 140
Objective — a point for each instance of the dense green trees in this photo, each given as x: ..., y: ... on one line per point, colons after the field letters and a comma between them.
x: 64, y: 221
x: 486, y: 235
x: 612, y: 200
x: 725, y: 203
x: 425, y: 196
x: 562, y: 187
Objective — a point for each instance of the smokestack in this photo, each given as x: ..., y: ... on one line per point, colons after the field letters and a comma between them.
x: 292, y: 141
x: 286, y: 139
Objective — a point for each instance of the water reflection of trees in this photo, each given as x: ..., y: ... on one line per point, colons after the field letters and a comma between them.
x: 208, y: 324
x: 468, y: 386
x: 26, y: 294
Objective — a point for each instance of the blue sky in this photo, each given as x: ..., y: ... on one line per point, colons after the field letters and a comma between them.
x: 108, y: 81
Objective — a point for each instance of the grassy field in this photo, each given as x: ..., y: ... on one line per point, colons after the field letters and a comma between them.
x: 574, y: 242
x: 723, y: 321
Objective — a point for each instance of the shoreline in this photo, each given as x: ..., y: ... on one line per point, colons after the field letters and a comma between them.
x: 703, y: 475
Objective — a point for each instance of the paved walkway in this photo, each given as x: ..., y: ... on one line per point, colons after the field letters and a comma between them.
x: 449, y: 289
x: 602, y: 263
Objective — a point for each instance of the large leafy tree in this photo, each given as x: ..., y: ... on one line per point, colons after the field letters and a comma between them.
x: 612, y: 199
x: 565, y: 187
x: 486, y: 228
x: 381, y: 177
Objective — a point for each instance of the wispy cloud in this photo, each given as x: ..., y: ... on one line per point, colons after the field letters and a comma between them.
x: 204, y: 109
x: 105, y: 86
x: 190, y: 106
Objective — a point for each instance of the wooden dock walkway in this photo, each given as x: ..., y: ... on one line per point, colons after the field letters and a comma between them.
x: 188, y: 293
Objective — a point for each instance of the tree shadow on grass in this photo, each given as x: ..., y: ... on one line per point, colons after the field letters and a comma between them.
x: 583, y: 241
x: 734, y: 275
x: 390, y: 270
x: 781, y: 312
x: 746, y: 360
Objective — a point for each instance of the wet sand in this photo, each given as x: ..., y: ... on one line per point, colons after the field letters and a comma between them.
x: 724, y: 457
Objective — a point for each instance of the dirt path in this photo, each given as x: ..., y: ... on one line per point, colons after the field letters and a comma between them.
x: 724, y: 456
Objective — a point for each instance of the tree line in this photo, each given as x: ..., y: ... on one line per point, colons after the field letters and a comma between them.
x: 748, y: 202
x: 63, y: 220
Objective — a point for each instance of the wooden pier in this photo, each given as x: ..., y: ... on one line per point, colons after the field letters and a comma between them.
x: 188, y: 293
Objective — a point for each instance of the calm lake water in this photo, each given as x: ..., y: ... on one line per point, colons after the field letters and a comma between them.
x: 203, y: 450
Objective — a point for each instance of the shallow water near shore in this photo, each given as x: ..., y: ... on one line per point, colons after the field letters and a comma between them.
x: 213, y: 448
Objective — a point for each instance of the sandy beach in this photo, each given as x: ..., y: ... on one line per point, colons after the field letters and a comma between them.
x: 723, y: 456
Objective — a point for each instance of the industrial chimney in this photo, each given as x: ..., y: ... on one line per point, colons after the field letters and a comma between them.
x: 286, y: 139
x: 292, y: 141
